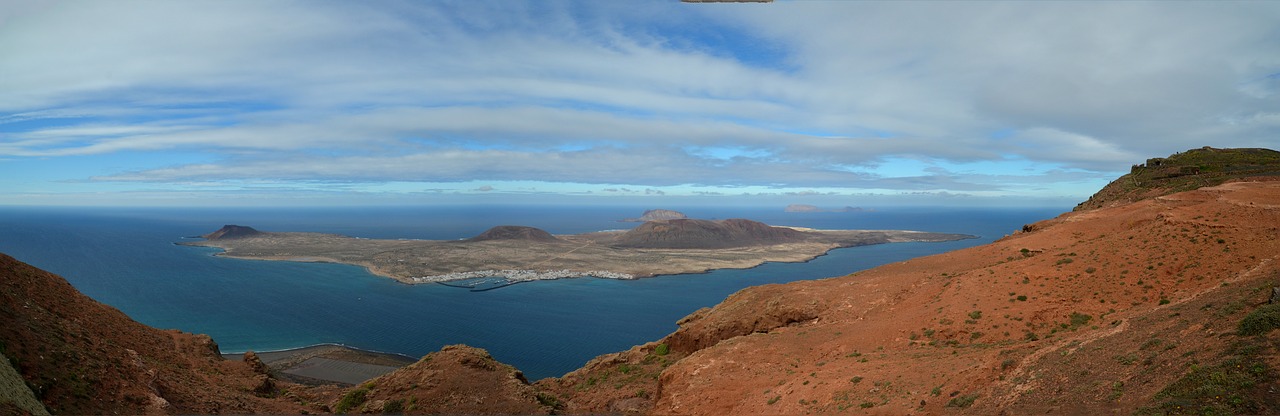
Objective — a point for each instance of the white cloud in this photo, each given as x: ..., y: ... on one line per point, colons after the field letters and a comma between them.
x: 802, y: 94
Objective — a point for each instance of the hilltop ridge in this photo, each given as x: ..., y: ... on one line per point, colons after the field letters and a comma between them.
x: 1184, y: 171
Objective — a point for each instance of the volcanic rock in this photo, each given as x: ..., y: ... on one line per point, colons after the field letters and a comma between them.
x: 706, y: 234
x: 515, y: 232
x: 657, y: 215
x: 228, y: 232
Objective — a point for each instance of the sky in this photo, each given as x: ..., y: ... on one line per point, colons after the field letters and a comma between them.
x: 252, y: 103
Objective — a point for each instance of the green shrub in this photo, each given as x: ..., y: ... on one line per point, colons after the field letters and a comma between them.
x: 661, y: 349
x: 1261, y: 320
x: 549, y: 400
x: 1240, y: 383
x: 393, y: 407
x: 1080, y: 319
x: 963, y: 401
x: 351, y: 400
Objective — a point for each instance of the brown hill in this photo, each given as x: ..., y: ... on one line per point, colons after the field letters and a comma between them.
x: 705, y: 234
x: 515, y: 232
x: 1113, y: 310
x: 82, y: 357
x: 455, y: 380
x: 228, y: 232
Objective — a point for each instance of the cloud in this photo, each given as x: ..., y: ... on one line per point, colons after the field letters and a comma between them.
x: 808, y: 95
x: 639, y: 167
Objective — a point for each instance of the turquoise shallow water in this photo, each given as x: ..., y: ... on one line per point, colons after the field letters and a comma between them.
x: 126, y: 258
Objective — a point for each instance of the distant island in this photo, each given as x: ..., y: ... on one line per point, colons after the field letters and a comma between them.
x: 812, y: 208
x: 519, y: 253
x: 657, y: 215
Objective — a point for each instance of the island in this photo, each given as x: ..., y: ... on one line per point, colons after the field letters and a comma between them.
x: 518, y: 253
x: 812, y: 208
x: 657, y: 215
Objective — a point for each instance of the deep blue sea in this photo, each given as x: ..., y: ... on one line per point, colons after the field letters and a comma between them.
x: 125, y: 257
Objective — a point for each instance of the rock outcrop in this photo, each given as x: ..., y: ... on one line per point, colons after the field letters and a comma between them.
x: 706, y: 234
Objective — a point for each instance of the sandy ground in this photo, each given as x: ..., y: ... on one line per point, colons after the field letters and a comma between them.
x: 328, y: 364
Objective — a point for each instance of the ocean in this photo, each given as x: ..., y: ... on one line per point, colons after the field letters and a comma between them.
x: 126, y: 258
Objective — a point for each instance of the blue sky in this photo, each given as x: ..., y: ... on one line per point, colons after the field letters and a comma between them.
x: 649, y: 102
